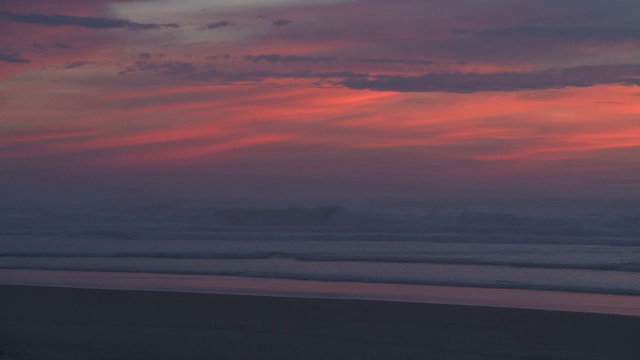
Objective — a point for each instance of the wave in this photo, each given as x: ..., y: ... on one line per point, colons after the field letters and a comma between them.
x: 324, y: 257
x: 204, y: 221
x: 327, y: 235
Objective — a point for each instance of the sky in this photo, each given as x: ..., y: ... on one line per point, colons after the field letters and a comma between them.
x: 319, y: 99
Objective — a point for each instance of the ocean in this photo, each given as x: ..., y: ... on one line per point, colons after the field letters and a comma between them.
x: 594, y: 250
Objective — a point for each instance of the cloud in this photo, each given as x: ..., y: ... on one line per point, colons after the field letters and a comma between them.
x: 451, y: 82
x: 167, y: 68
x: 219, y: 24
x: 281, y: 22
x: 576, y: 33
x: 82, y: 21
x: 13, y: 58
x: 401, y: 61
x: 58, y: 46
x: 200, y: 72
x: 582, y: 76
x: 146, y: 55
x: 76, y: 64
x: 274, y: 58
x: 216, y: 57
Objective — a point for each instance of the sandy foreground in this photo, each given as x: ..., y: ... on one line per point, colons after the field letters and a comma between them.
x: 64, y: 323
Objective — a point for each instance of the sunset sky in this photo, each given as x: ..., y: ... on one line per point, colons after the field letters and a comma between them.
x: 319, y: 99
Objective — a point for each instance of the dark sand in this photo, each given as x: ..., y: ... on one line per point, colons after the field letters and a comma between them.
x: 59, y: 323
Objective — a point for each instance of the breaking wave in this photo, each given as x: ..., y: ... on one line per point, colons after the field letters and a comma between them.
x: 632, y: 266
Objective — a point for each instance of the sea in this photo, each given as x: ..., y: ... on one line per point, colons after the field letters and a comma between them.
x: 557, y: 246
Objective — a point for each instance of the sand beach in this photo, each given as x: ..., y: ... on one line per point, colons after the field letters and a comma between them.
x: 65, y: 323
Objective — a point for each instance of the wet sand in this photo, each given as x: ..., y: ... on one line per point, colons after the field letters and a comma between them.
x: 235, y: 285
x: 63, y: 323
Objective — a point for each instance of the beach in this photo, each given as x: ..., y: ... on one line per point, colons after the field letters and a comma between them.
x: 65, y: 323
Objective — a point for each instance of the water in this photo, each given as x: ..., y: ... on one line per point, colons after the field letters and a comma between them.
x: 588, y: 268
x: 586, y: 253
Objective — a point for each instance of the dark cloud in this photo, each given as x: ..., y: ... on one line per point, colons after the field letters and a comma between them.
x: 576, y: 33
x: 583, y: 76
x: 275, y: 58
x: 321, y: 79
x: 453, y: 82
x: 82, y: 21
x: 216, y: 57
x: 203, y: 72
x: 219, y: 24
x: 76, y: 64
x: 41, y: 46
x: 162, y: 68
x: 179, y: 67
x: 13, y: 58
x: 146, y: 55
x: 281, y: 22
x: 401, y: 61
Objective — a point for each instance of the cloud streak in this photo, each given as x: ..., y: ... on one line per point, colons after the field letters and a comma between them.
x: 281, y: 22
x: 13, y: 58
x: 81, y: 21
x: 275, y: 58
x: 447, y: 82
x: 76, y: 64
x: 398, y: 61
x: 194, y: 71
x: 583, y: 76
x: 577, y: 33
x: 219, y: 25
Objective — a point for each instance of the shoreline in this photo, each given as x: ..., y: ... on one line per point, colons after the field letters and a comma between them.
x: 63, y: 323
x: 426, y: 294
